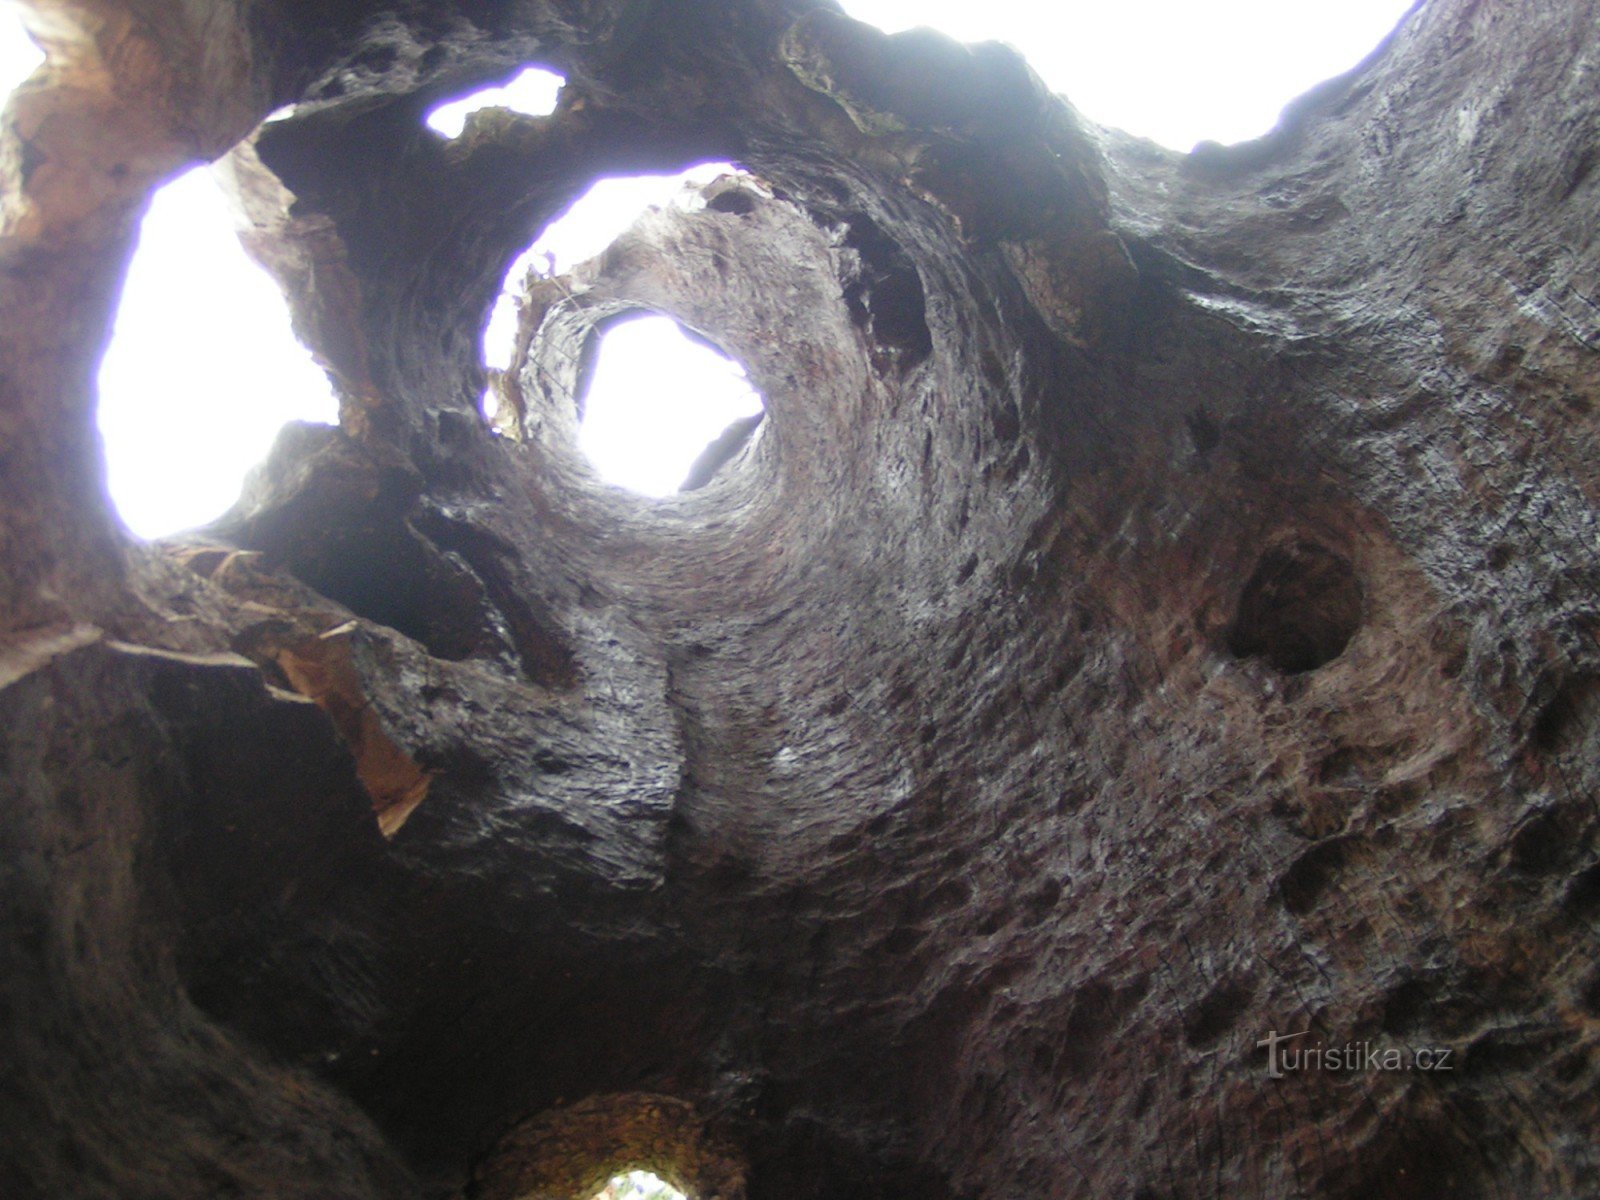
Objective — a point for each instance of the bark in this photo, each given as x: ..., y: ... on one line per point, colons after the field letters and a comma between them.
x: 1158, y: 611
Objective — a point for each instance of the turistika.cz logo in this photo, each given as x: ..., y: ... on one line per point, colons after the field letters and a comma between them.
x: 1351, y: 1056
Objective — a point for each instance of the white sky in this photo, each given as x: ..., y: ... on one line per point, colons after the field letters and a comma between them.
x: 203, y: 369
x: 591, y: 224
x: 1176, y: 71
x: 636, y: 429
x: 533, y: 91
x: 18, y: 55
x: 638, y: 1185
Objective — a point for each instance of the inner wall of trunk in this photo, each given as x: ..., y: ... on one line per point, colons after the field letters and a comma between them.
x: 1156, y: 615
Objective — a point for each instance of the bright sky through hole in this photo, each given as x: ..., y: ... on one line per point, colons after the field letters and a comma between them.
x: 532, y: 92
x: 1176, y: 71
x: 638, y: 1185
x: 203, y: 369
x: 591, y: 224
x: 18, y: 55
x: 656, y: 400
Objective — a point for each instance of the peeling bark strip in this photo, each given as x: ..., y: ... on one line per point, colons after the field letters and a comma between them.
x: 321, y: 668
x: 1157, y: 620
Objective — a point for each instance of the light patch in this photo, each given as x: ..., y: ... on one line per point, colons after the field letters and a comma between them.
x: 18, y: 55
x: 1174, y: 71
x: 655, y: 401
x: 638, y: 1185
x: 592, y: 222
x: 203, y: 369
x: 532, y: 93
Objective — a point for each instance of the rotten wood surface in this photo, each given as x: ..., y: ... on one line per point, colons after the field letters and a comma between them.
x: 1157, y: 611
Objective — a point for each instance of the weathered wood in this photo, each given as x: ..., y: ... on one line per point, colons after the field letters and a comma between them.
x: 1159, y: 613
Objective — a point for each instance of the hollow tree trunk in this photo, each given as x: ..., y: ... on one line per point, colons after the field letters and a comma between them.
x: 1157, y: 614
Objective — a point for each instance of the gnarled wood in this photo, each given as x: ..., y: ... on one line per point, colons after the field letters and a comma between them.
x: 1158, y: 613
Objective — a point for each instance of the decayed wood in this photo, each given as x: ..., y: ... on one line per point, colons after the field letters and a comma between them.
x: 1156, y: 617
